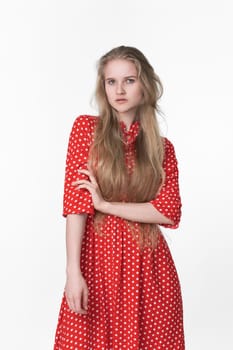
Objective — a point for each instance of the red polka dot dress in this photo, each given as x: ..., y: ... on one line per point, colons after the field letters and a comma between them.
x: 134, y: 299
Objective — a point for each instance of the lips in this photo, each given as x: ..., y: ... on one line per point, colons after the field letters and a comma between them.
x: 121, y: 100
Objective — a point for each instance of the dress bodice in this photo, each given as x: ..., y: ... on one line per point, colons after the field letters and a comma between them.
x: 129, y: 140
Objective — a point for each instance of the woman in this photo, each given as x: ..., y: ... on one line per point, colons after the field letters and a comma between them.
x: 121, y: 184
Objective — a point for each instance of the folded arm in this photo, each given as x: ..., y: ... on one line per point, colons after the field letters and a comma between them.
x: 164, y: 209
x: 140, y: 212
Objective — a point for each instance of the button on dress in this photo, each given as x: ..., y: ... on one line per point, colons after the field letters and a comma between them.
x: 135, y: 300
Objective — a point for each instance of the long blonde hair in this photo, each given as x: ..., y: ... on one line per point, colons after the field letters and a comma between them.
x: 107, y: 151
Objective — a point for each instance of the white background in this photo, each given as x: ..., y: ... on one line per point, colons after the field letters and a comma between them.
x: 47, y: 75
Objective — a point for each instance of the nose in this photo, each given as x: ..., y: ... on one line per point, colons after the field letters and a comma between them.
x: 120, y: 89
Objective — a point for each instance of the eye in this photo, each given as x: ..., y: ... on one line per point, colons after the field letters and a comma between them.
x: 130, y: 80
x: 110, y: 81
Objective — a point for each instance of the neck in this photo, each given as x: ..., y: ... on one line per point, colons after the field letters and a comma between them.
x: 128, y: 120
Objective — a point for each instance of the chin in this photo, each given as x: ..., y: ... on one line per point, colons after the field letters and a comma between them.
x: 122, y: 110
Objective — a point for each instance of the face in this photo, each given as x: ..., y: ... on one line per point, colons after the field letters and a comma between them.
x: 123, y: 88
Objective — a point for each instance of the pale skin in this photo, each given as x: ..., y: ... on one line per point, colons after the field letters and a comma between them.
x: 121, y: 82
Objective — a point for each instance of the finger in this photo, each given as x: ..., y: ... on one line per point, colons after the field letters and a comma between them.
x: 88, y: 187
x: 78, y: 307
x: 70, y: 303
x: 93, y: 179
x: 76, y: 182
x: 84, y: 171
x: 82, y: 181
x: 85, y: 299
x: 87, y: 184
x: 90, y: 174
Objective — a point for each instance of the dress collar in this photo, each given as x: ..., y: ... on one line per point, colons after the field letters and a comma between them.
x: 131, y: 134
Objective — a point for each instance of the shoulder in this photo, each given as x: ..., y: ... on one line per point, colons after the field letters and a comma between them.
x: 82, y: 130
x: 168, y: 145
x: 84, y: 126
x: 85, y: 121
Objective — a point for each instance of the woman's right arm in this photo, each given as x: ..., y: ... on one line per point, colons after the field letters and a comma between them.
x: 76, y: 288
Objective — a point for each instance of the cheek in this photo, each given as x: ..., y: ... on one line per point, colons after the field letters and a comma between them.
x: 108, y: 94
x: 140, y: 94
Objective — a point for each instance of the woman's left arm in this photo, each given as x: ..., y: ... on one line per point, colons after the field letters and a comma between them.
x: 140, y: 212
x: 164, y: 209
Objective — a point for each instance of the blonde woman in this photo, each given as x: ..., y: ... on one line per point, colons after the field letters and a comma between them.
x: 121, y: 184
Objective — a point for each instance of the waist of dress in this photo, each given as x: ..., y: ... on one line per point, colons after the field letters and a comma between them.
x: 109, y: 218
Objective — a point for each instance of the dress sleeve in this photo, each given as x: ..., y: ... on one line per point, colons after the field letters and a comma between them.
x: 168, y: 201
x: 77, y: 201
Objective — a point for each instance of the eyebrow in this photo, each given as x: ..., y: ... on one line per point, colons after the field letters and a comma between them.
x: 127, y: 77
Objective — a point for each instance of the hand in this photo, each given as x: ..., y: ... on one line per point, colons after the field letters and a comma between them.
x: 76, y: 292
x: 93, y: 187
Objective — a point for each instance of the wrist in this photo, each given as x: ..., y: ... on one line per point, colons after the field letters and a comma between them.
x: 105, y: 207
x: 73, y: 270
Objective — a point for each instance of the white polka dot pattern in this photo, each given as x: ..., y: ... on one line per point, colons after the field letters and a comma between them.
x: 135, y: 300
x: 78, y: 201
x: 168, y: 199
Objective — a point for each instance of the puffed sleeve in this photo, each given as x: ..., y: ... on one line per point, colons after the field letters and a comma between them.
x: 168, y: 201
x: 77, y: 201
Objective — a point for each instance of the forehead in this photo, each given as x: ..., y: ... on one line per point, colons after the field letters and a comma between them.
x: 118, y: 68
